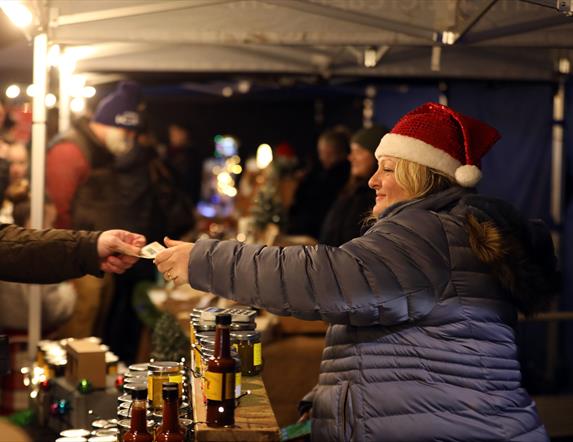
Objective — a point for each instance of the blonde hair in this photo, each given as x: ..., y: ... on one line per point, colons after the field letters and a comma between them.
x: 416, y: 179
x: 419, y: 180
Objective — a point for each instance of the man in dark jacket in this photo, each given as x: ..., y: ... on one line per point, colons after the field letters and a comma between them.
x: 320, y: 187
x: 98, y: 178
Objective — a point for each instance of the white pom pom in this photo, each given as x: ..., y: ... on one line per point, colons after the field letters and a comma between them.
x: 468, y: 175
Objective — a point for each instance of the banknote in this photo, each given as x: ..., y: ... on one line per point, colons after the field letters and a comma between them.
x: 151, y: 250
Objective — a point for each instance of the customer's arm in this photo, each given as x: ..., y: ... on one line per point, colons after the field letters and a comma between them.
x: 53, y: 255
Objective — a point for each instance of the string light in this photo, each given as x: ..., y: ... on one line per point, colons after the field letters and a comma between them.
x: 13, y: 91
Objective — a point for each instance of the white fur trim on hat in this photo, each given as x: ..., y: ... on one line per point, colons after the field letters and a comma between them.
x: 468, y: 175
x: 418, y: 151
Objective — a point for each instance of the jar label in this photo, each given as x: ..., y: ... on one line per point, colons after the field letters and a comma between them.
x: 237, y: 384
x: 218, y: 383
x: 178, y: 378
x: 155, y: 387
x: 257, y: 354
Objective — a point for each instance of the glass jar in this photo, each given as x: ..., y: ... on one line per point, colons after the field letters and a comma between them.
x: 198, y: 328
x: 160, y: 373
x: 248, y: 346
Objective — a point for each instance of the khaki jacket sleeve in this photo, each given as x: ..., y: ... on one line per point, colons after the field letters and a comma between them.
x: 47, y: 256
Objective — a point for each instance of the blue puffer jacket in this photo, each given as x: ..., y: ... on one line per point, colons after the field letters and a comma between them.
x: 421, y: 345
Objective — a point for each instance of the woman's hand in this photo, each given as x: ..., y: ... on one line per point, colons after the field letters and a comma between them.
x: 304, y: 416
x: 174, y: 261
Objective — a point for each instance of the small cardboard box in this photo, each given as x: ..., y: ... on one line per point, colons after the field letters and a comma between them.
x: 86, y: 360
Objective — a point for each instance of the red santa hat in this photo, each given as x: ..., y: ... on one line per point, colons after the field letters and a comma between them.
x: 439, y: 137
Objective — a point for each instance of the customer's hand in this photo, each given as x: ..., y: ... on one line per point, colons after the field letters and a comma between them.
x: 173, y: 262
x: 119, y: 250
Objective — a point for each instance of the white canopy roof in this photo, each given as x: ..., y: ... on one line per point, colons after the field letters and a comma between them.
x: 505, y: 39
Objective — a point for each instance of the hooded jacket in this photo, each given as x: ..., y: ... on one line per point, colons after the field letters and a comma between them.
x: 421, y: 345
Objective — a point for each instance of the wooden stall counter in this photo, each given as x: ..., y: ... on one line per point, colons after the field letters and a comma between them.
x: 254, y: 417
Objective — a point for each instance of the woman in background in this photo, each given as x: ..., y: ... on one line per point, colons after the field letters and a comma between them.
x: 346, y: 218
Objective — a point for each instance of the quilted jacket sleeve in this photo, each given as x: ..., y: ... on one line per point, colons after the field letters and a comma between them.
x: 391, y: 274
x: 46, y: 256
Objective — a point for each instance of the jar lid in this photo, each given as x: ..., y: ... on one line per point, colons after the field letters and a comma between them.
x: 126, y: 413
x: 126, y: 423
x: 247, y: 335
x: 124, y: 398
x: 75, y: 432
x: 204, y: 326
x: 130, y: 387
x: 107, y: 432
x: 238, y: 326
x: 135, y: 379
x: 207, y: 342
x: 164, y: 367
x: 100, y: 423
x: 205, y: 335
x: 139, y: 367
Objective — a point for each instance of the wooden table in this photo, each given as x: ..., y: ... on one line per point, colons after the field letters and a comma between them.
x: 254, y: 417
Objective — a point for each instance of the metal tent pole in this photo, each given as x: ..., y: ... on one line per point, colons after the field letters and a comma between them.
x: 37, y: 181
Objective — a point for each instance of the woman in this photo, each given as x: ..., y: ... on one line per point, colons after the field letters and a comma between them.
x: 345, y: 218
x: 421, y: 345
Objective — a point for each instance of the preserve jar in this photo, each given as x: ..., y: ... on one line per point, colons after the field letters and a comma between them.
x: 248, y: 346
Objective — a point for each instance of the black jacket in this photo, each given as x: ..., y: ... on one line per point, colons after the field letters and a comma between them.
x: 314, y: 197
x: 345, y: 219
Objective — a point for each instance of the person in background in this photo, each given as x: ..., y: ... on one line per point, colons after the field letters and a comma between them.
x: 319, y: 189
x: 184, y: 161
x: 422, y: 307
x: 18, y: 186
x: 98, y: 179
x: 82, y: 177
x: 346, y: 218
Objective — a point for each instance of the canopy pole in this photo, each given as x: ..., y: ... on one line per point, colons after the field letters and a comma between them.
x: 37, y: 181
x: 65, y: 73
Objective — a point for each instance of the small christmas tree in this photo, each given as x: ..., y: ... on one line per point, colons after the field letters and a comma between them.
x: 168, y: 342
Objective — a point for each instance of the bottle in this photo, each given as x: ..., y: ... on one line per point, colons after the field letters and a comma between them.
x: 220, y: 377
x: 170, y: 430
x: 138, y: 428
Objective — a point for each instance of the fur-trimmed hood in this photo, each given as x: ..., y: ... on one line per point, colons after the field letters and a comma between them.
x: 521, y: 251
